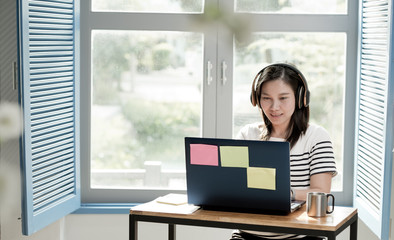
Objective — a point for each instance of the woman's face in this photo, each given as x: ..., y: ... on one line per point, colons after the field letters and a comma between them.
x: 278, y: 103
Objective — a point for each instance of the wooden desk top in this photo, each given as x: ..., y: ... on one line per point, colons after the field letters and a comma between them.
x: 297, y: 219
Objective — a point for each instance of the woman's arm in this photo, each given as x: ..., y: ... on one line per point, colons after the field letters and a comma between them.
x: 320, y: 182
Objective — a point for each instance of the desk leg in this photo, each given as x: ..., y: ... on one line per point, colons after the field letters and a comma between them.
x: 353, y: 230
x: 331, y: 237
x: 133, y: 228
x: 171, y: 232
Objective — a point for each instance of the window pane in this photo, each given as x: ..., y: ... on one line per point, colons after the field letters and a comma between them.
x: 293, y: 6
x: 146, y: 99
x: 321, y: 58
x: 162, y: 6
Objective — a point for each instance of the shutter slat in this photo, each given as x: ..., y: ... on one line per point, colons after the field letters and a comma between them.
x: 374, y: 67
x: 44, y: 131
x: 51, y: 60
x: 61, y: 197
x: 60, y: 157
x: 54, y: 21
x: 370, y: 110
x: 374, y: 52
x: 372, y: 73
x: 44, y: 16
x: 55, y: 76
x: 52, y: 151
x: 54, y: 11
x: 41, y: 191
x: 51, y: 80
x: 52, y: 167
x: 54, y: 138
x: 370, y: 188
x: 50, y: 115
x: 59, y: 85
x: 54, y: 38
x: 51, y: 32
x: 372, y: 82
x: 47, y: 125
x: 372, y: 63
x: 370, y: 149
x: 53, y: 25
x: 372, y: 121
x: 49, y: 98
x: 52, y: 70
x: 52, y: 108
x: 363, y: 192
x: 49, y: 178
x: 52, y: 92
x: 373, y: 93
x: 51, y: 48
x: 49, y: 44
x: 51, y: 64
x: 58, y: 5
x: 40, y: 104
x: 51, y: 54
x: 65, y: 152
x: 371, y: 138
x: 49, y: 192
x: 370, y: 170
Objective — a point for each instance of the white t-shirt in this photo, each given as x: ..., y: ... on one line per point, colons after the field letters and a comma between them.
x: 313, y: 153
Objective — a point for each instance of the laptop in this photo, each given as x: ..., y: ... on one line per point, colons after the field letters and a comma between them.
x: 239, y: 175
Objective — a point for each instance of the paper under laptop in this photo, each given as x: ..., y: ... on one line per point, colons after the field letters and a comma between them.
x: 240, y: 175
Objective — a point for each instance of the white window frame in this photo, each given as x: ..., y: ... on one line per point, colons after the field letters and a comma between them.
x: 217, y: 107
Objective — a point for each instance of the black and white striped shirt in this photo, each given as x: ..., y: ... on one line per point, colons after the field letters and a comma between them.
x: 312, y: 154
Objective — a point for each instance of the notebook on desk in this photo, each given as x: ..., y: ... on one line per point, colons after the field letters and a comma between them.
x: 239, y: 175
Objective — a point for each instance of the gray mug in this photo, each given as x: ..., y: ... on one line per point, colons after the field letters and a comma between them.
x: 317, y: 204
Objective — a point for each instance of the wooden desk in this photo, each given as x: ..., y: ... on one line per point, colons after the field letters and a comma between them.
x: 297, y: 222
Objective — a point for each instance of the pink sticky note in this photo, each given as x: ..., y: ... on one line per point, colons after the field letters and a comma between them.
x: 204, y: 154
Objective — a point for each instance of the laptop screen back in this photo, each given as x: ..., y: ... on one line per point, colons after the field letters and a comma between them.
x: 238, y: 174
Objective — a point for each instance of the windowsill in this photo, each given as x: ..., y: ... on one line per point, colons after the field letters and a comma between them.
x: 105, y: 208
x: 119, y: 208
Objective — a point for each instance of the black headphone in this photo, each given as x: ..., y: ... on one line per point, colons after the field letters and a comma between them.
x: 302, y: 95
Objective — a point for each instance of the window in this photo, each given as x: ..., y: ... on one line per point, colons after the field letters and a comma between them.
x: 155, y: 77
x: 147, y: 90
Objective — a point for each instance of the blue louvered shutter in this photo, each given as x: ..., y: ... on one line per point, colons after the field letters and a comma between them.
x: 49, y: 38
x: 374, y: 133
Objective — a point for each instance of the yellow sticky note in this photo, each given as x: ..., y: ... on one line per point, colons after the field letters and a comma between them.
x: 262, y: 178
x: 234, y: 156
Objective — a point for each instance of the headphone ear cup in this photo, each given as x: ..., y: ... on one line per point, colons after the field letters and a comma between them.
x: 307, y: 98
x: 300, y: 97
x: 253, y: 99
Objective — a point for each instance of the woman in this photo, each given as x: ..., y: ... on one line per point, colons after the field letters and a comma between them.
x: 281, y: 93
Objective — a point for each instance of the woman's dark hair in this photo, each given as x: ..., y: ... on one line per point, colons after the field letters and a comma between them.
x: 300, y: 118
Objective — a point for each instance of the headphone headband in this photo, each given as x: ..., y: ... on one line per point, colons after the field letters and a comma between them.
x: 302, y: 94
